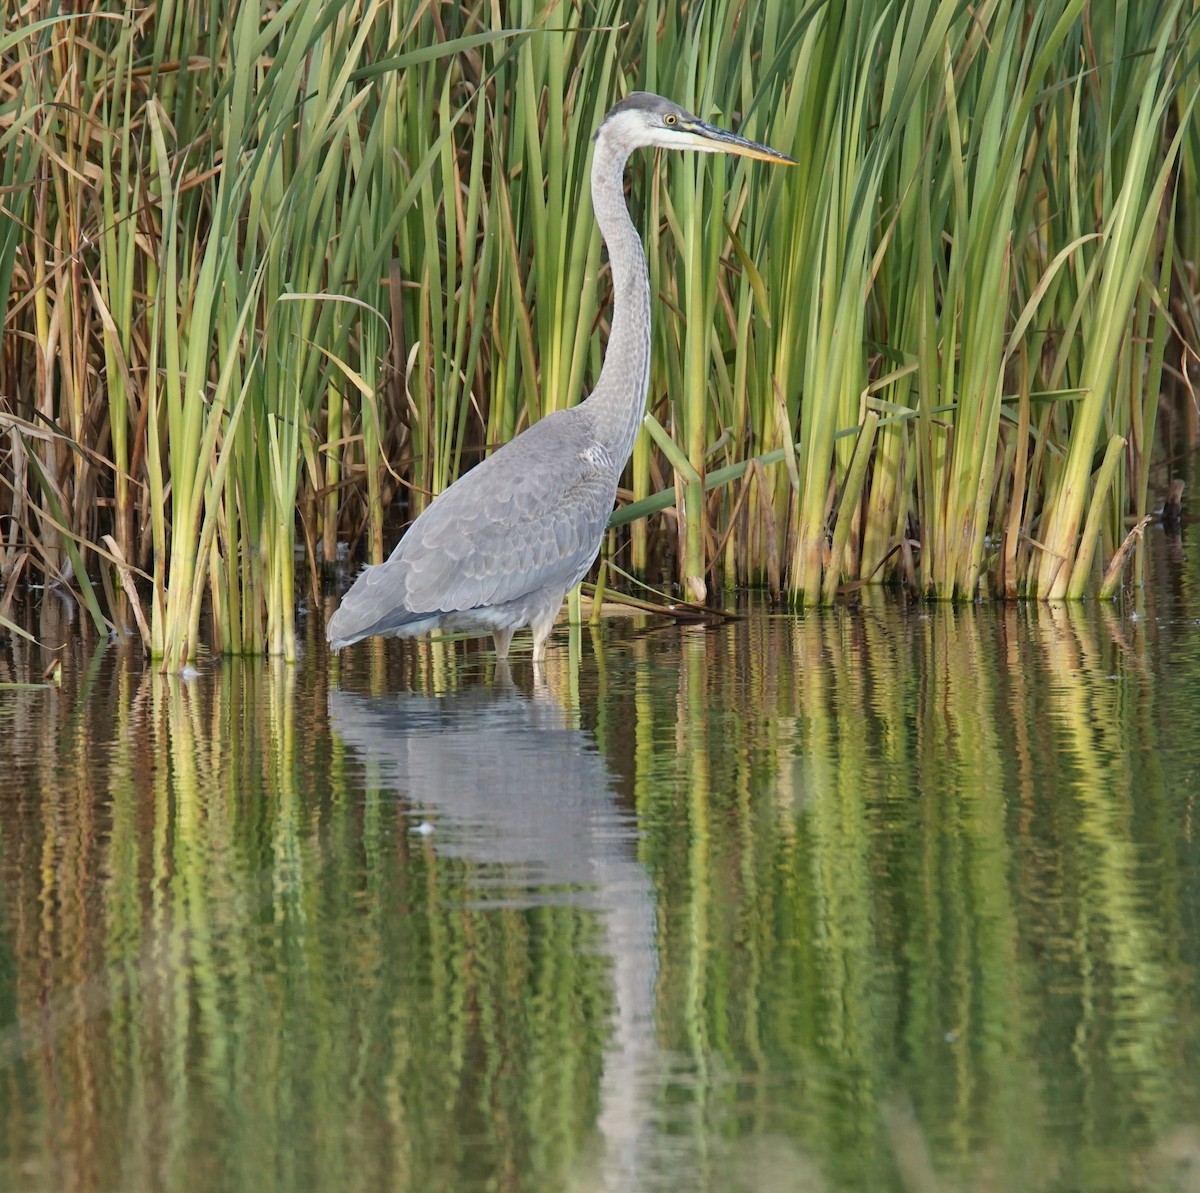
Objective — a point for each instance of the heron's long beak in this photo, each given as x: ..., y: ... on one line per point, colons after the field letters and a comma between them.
x: 720, y: 141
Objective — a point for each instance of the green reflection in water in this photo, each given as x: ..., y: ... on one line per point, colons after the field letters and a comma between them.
x: 880, y: 899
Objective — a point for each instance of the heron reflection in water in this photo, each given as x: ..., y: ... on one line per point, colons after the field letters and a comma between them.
x: 501, y: 547
x: 508, y: 781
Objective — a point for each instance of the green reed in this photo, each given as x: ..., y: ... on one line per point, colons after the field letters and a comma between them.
x: 270, y: 271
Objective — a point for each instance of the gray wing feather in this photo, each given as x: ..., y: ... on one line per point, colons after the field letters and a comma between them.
x: 527, y: 519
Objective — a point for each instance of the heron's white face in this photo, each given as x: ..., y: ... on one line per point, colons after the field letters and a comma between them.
x: 675, y: 128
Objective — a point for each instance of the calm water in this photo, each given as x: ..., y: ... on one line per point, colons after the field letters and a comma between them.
x: 895, y: 898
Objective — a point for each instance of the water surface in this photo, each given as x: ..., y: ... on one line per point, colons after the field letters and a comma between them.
x: 895, y: 897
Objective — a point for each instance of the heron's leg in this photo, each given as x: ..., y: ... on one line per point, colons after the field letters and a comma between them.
x: 541, y: 627
x: 502, y: 638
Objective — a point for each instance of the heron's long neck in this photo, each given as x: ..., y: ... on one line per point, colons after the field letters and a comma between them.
x: 618, y: 400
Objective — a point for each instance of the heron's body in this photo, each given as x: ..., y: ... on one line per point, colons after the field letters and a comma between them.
x: 502, y: 546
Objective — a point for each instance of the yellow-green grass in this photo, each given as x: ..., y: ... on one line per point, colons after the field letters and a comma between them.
x: 274, y: 274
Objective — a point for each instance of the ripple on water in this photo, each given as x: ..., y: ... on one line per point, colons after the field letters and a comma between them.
x: 818, y: 902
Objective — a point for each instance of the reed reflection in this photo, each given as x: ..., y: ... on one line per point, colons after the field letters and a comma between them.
x: 916, y: 879
x: 880, y: 898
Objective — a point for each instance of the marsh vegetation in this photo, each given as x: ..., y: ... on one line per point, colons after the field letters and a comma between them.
x: 273, y: 273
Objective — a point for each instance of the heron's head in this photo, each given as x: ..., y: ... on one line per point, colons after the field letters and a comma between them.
x: 643, y: 119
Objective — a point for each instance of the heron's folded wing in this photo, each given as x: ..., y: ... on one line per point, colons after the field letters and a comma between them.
x: 527, y: 519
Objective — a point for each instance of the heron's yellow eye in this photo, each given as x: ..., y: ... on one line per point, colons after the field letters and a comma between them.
x: 670, y: 118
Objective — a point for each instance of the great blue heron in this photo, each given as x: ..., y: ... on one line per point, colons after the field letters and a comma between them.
x: 502, y: 546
